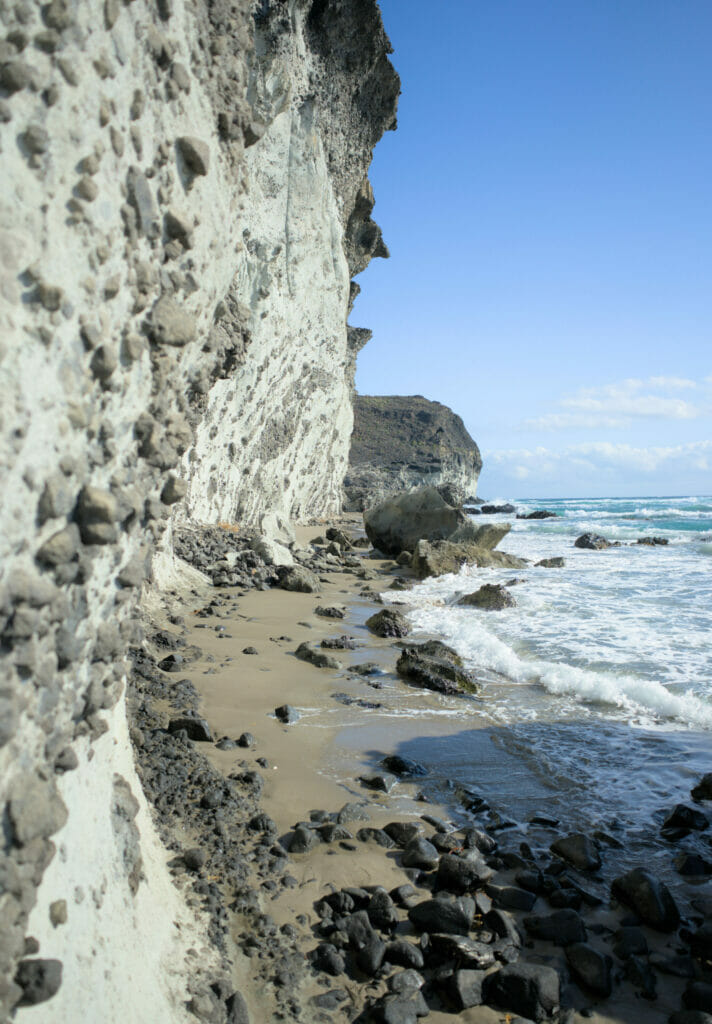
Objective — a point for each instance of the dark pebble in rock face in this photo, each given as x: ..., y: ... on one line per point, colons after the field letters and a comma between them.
x: 403, y: 765
x: 194, y: 858
x: 649, y: 898
x: 196, y: 728
x: 39, y: 980
x: 171, y: 663
x: 237, y: 1012
x: 287, y: 714
x: 528, y: 989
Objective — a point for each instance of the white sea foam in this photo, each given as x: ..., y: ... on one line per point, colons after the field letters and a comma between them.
x: 623, y: 632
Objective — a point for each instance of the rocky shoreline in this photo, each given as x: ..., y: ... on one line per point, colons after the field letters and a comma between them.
x: 333, y: 900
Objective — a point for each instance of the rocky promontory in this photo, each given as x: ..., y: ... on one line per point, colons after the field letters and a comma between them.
x: 402, y: 442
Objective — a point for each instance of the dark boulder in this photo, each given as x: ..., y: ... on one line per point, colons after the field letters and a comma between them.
x: 698, y: 996
x: 703, y: 789
x: 298, y: 578
x: 382, y: 912
x: 563, y: 927
x: 527, y: 989
x: 509, y: 897
x: 540, y: 513
x: 398, y: 523
x: 591, y: 969
x: 701, y: 941
x: 303, y: 839
x: 461, y: 874
x: 403, y: 765
x: 403, y: 832
x: 196, y: 728
x: 649, y: 898
x: 497, y: 510
x: 592, y: 542
x: 331, y: 611
x: 464, y: 988
x: 490, y: 597
x: 381, y: 781
x: 308, y: 652
x: 552, y: 563
x: 402, y: 953
x: 369, y: 949
x: 443, y: 556
x: 287, y: 714
x: 388, y: 623
x: 38, y: 979
x: 419, y: 853
x: 578, y: 850
x: 451, y: 917
x: 435, y: 666
x: 685, y: 819
x: 463, y: 950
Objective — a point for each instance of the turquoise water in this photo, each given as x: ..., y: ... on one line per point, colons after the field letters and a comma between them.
x: 599, y: 682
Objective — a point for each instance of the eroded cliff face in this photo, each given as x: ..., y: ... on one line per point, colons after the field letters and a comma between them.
x: 275, y: 436
x: 185, y: 205
x: 401, y: 442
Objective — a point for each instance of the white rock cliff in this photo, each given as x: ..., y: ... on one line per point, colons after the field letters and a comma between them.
x: 185, y: 204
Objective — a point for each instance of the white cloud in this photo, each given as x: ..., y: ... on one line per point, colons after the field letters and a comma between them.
x: 602, y: 458
x: 617, y: 405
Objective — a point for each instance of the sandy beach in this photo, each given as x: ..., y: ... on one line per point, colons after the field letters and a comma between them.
x: 241, y: 660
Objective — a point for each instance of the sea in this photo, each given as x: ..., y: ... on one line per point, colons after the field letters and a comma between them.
x: 595, y: 702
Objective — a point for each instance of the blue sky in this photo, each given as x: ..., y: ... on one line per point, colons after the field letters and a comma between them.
x: 547, y: 200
